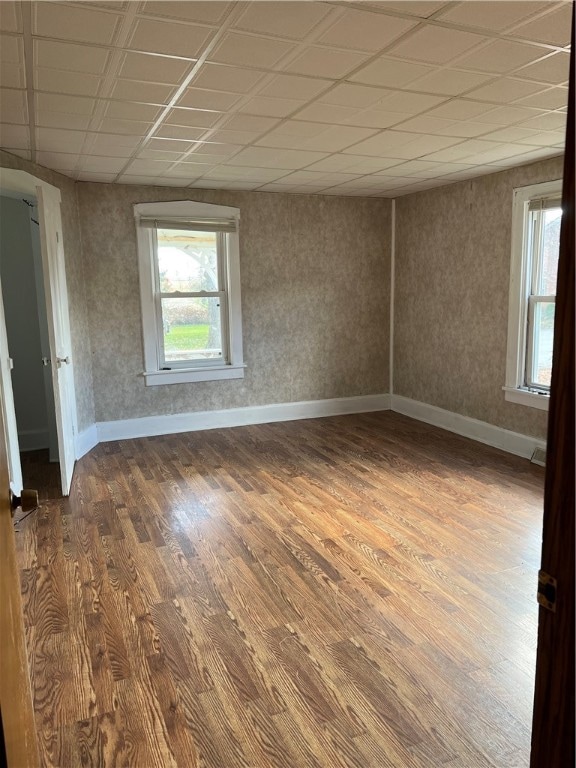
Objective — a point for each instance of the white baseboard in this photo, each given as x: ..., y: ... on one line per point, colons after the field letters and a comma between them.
x: 33, y: 439
x: 237, y: 417
x: 86, y: 440
x: 497, y: 437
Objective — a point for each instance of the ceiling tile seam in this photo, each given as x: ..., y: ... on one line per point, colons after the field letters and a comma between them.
x: 29, y: 75
x: 208, y: 48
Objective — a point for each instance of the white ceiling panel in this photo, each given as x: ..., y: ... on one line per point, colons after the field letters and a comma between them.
x: 435, y: 45
x: 370, y: 32
x: 368, y: 98
x: 286, y: 19
x: 66, y: 22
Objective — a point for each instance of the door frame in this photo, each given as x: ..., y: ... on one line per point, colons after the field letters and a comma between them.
x: 26, y: 184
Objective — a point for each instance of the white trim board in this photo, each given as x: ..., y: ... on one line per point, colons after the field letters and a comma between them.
x: 147, y: 426
x: 481, y: 431
x: 86, y: 440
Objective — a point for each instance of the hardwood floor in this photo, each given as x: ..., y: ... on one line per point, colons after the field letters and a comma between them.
x: 353, y: 591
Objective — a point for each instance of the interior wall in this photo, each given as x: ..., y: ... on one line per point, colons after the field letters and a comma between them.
x: 452, y: 270
x: 22, y: 325
x: 81, y: 353
x: 315, y: 300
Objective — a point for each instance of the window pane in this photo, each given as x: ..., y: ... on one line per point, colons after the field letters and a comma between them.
x: 192, y: 329
x: 543, y: 343
x: 187, y: 261
x: 550, y: 249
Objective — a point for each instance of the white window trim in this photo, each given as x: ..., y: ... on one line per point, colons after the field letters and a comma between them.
x: 234, y: 368
x: 514, y: 390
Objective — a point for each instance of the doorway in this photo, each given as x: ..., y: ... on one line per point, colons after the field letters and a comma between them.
x: 22, y: 281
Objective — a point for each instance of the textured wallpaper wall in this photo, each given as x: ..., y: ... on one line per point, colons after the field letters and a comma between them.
x: 76, y: 282
x: 315, y: 300
x: 451, y: 296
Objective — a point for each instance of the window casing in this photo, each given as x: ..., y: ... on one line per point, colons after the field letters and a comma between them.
x: 534, y: 263
x: 190, y: 292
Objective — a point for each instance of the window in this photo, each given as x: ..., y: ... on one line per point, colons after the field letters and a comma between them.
x: 536, y: 221
x: 190, y: 292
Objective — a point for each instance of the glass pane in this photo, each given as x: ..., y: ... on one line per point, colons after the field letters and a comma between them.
x: 187, y: 261
x: 192, y: 329
x: 550, y: 249
x: 543, y: 342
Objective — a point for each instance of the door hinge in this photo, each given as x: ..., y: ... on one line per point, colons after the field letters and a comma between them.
x: 547, y: 591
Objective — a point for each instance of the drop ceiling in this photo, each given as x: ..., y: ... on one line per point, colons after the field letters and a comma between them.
x: 362, y: 98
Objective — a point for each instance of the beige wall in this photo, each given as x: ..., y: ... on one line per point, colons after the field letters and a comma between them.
x: 451, y: 296
x: 315, y: 300
x: 75, y: 279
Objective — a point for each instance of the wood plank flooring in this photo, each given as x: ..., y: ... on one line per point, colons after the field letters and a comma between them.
x: 354, y: 591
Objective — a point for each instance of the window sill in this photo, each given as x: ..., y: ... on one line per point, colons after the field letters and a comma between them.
x: 187, y: 375
x: 523, y: 397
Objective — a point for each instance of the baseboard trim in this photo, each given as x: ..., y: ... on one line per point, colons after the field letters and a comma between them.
x: 33, y: 439
x: 86, y: 440
x: 238, y: 417
x: 497, y: 437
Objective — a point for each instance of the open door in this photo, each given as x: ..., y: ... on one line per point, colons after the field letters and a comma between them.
x: 553, y: 721
x: 58, y: 328
x: 8, y: 412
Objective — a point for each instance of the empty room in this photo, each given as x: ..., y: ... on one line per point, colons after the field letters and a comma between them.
x: 287, y: 384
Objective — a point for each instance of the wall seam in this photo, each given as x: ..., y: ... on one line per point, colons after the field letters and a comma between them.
x: 392, y: 296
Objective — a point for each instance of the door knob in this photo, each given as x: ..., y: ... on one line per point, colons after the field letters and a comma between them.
x: 46, y: 361
x: 63, y: 360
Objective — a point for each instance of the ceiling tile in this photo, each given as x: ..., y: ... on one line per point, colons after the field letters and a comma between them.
x: 173, y: 145
x: 412, y: 103
x: 101, y: 178
x: 426, y: 124
x: 501, y: 56
x: 69, y: 56
x: 464, y: 129
x: 451, y: 82
x: 551, y: 98
x: 68, y: 22
x: 551, y: 121
x: 554, y: 69
x: 170, y: 38
x: 493, y: 16
x: 73, y: 83
x: 504, y: 90
x: 218, y: 77
x: 147, y: 167
x: 511, y: 134
x: 61, y: 160
x: 376, y: 118
x: 62, y: 120
x: 196, y: 118
x: 422, y: 146
x: 214, y: 149
x: 189, y: 170
x: 159, y: 154
x: 423, y: 9
x: 326, y: 113
x: 272, y: 158
x: 129, y: 127
x: 249, y: 123
x: 435, y: 45
x: 204, y: 12
x: 461, y: 109
x: 131, y: 179
x: 11, y: 49
x: 199, y: 98
x: 460, y: 151
x: 57, y: 140
x: 263, y: 105
x: 24, y: 153
x: 391, y: 73
x: 319, y: 137
x: 12, y: 76
x: 154, y: 69
x: 13, y: 106
x: 348, y: 95
x: 325, y: 62
x: 180, y: 132
x: 129, y: 110
x: 294, y: 87
x: 133, y: 90
x: 10, y: 16
x: 235, y: 137
x: 53, y: 102
x: 507, y: 115
x: 236, y: 48
x: 261, y: 175
x: 287, y: 19
x: 14, y: 136
x: 365, y: 31
x: 102, y: 164
x: 553, y: 27
x: 382, y: 143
